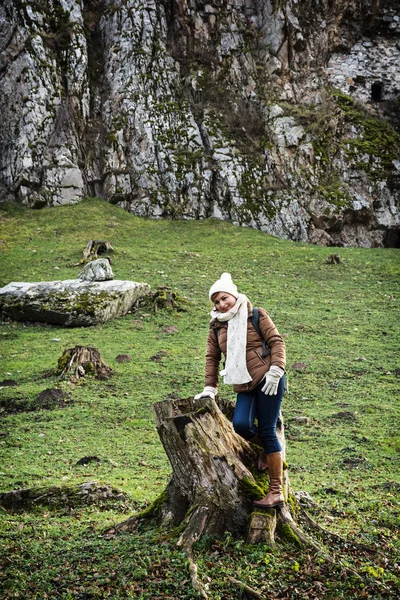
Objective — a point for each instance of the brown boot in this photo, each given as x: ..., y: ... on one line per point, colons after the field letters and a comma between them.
x: 262, y: 464
x: 256, y: 440
x: 275, y: 497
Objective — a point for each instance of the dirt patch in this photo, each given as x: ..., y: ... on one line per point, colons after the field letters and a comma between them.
x: 345, y: 415
x: 51, y: 398
x: 170, y: 329
x: 123, y: 358
x: 61, y: 496
x: 85, y: 460
x: 48, y: 399
x: 159, y: 356
x: 299, y: 367
x: 354, y: 461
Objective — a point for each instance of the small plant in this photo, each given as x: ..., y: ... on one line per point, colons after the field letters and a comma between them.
x: 167, y: 299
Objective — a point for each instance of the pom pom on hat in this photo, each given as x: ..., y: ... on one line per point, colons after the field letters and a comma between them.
x: 224, y: 284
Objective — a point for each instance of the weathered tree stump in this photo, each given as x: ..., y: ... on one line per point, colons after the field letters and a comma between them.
x: 80, y: 361
x: 214, y: 479
x: 95, y: 248
x: 262, y: 528
x: 333, y: 259
x: 165, y: 298
x: 214, y: 482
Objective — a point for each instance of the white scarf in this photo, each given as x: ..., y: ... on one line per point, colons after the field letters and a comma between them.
x: 235, y: 366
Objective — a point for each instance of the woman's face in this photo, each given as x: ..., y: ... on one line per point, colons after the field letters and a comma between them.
x: 223, y: 301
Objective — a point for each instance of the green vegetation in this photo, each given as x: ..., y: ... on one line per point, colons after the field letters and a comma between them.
x: 378, y: 144
x: 288, y: 533
x: 340, y: 320
x: 370, y: 146
x: 253, y: 491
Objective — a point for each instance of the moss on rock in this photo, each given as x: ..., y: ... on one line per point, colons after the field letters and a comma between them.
x: 377, y: 144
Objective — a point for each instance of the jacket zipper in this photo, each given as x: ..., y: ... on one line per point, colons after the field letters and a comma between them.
x: 260, y: 357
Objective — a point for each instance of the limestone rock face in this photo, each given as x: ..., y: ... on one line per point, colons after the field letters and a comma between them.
x: 282, y: 116
x: 71, y: 302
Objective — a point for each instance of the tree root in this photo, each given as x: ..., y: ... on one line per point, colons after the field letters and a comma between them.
x: 189, y: 537
x: 314, y: 525
x: 286, y: 519
x: 128, y: 525
x: 246, y: 588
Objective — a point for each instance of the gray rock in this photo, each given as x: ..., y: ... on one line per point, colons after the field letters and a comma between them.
x: 97, y: 270
x: 108, y: 119
x: 276, y: 111
x: 287, y: 132
x: 320, y: 237
x: 72, y: 302
x: 304, y: 498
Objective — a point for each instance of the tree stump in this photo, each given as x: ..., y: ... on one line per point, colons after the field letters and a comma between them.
x: 333, y: 259
x: 165, y: 298
x: 214, y: 482
x: 262, y: 527
x: 95, y: 248
x: 80, y: 361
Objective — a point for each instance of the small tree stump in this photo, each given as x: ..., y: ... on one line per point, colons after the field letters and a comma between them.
x: 262, y: 527
x: 95, y: 248
x: 80, y: 361
x: 165, y: 298
x: 333, y: 259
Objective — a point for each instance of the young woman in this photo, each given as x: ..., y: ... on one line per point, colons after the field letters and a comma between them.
x: 257, y: 376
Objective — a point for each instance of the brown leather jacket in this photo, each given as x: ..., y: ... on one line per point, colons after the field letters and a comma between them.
x: 257, y: 366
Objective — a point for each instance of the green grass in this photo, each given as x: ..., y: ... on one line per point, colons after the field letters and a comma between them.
x: 341, y: 320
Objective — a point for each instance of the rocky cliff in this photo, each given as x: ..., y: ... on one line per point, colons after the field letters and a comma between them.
x: 282, y: 115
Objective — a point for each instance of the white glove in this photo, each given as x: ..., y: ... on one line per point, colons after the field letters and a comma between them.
x: 272, y: 377
x: 208, y: 392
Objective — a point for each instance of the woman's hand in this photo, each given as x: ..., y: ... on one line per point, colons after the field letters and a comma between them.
x: 208, y: 392
x: 272, y: 378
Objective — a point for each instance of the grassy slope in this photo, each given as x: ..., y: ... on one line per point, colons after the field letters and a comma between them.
x: 338, y: 319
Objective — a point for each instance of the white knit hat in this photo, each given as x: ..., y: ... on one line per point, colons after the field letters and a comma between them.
x: 224, y: 284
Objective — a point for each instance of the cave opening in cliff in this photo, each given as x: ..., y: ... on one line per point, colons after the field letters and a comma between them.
x: 376, y: 91
x: 392, y: 238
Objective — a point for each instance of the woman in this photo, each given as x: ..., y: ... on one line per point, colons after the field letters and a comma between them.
x: 258, y: 380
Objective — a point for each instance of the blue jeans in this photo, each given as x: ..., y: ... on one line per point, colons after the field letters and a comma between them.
x: 256, y: 405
